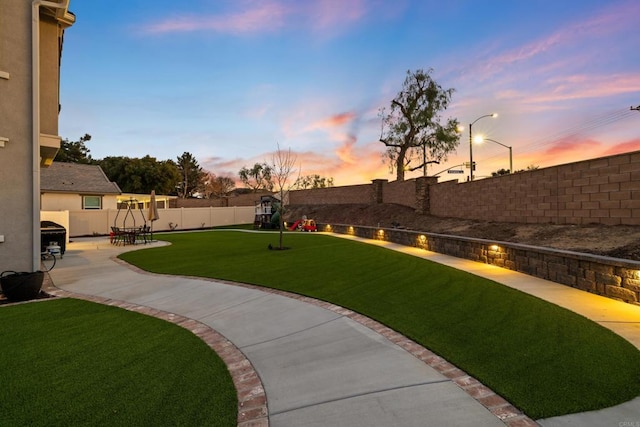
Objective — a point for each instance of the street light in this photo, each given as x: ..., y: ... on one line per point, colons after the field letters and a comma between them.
x: 494, y: 115
x: 481, y: 139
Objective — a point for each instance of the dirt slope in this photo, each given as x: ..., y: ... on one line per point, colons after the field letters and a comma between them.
x: 616, y: 241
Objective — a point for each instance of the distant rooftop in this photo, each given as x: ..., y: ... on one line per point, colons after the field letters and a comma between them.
x: 76, y: 178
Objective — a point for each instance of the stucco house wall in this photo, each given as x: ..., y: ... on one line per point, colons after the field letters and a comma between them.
x: 21, y: 156
x: 17, y: 153
x: 72, y: 202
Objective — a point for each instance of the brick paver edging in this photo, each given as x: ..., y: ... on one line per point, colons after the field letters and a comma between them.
x: 496, y: 404
x: 252, y: 399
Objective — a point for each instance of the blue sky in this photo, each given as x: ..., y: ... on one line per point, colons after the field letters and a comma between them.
x: 229, y: 81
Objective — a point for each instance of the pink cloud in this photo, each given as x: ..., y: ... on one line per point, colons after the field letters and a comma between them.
x: 264, y: 17
x: 623, y: 147
x: 548, y: 95
x: 267, y: 16
x: 571, y: 144
x: 611, y: 20
x: 345, y: 152
x: 334, y: 121
x: 350, y: 163
x: 583, y: 86
x: 327, y: 14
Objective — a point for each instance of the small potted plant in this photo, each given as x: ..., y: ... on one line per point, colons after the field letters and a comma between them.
x: 21, y: 286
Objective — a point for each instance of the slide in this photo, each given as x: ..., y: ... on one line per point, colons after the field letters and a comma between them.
x: 295, y: 225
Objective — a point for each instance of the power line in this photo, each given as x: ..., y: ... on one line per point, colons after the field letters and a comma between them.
x: 580, y: 128
x: 575, y: 130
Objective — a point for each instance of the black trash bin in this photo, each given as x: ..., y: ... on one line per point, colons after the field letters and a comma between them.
x: 52, y: 232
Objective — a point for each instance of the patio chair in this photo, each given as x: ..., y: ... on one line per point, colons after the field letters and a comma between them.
x: 117, y: 236
x: 144, y: 235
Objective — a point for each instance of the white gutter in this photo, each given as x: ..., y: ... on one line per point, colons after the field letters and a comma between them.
x: 35, y: 94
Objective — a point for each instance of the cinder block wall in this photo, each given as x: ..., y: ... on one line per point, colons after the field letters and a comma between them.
x: 400, y: 192
x: 604, y: 191
x: 249, y: 199
x: 333, y: 195
x: 598, y: 191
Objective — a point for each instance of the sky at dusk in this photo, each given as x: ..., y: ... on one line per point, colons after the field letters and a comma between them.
x: 231, y: 80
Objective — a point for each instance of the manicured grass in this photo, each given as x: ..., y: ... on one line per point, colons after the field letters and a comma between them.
x: 70, y: 362
x: 544, y: 359
x: 235, y: 227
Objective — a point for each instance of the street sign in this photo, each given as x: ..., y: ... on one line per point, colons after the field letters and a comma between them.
x: 455, y: 171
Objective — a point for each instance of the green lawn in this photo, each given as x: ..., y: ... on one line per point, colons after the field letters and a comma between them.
x: 544, y: 359
x: 69, y: 362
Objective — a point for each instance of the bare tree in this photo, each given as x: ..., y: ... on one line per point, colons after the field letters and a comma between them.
x: 412, y: 125
x: 217, y: 186
x: 282, y: 170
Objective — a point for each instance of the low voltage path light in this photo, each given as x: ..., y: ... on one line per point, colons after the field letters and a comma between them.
x: 494, y: 115
x: 480, y: 139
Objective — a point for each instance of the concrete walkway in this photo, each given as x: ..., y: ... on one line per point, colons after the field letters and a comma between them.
x: 620, y: 317
x: 322, y: 366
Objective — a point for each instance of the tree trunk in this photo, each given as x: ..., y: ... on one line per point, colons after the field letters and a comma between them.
x: 402, y: 153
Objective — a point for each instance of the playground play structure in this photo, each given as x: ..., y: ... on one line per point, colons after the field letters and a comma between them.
x: 268, y: 217
x: 304, y: 224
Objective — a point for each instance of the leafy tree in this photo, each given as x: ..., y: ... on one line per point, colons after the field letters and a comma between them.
x: 74, y: 151
x: 500, y: 172
x: 312, y: 181
x: 134, y: 175
x: 191, y: 174
x: 412, y: 125
x: 217, y: 186
x: 282, y: 169
x: 259, y: 177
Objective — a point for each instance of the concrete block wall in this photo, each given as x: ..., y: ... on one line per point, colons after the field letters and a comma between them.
x: 249, y: 199
x: 611, y: 277
x: 605, y: 190
x: 400, y: 192
x: 333, y: 195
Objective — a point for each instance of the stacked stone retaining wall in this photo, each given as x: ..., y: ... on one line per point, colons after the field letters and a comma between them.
x: 611, y: 277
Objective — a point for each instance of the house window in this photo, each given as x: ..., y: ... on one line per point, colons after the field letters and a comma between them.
x: 160, y: 204
x: 91, y: 202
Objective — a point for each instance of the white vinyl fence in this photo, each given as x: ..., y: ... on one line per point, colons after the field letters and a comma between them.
x: 99, y: 222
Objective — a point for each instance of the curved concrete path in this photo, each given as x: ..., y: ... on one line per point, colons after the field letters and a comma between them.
x: 321, y: 366
x: 622, y: 318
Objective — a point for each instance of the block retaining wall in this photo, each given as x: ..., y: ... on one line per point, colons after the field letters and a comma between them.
x: 611, y: 277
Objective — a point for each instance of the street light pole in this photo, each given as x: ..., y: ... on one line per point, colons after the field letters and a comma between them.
x: 506, y: 146
x: 471, y: 142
